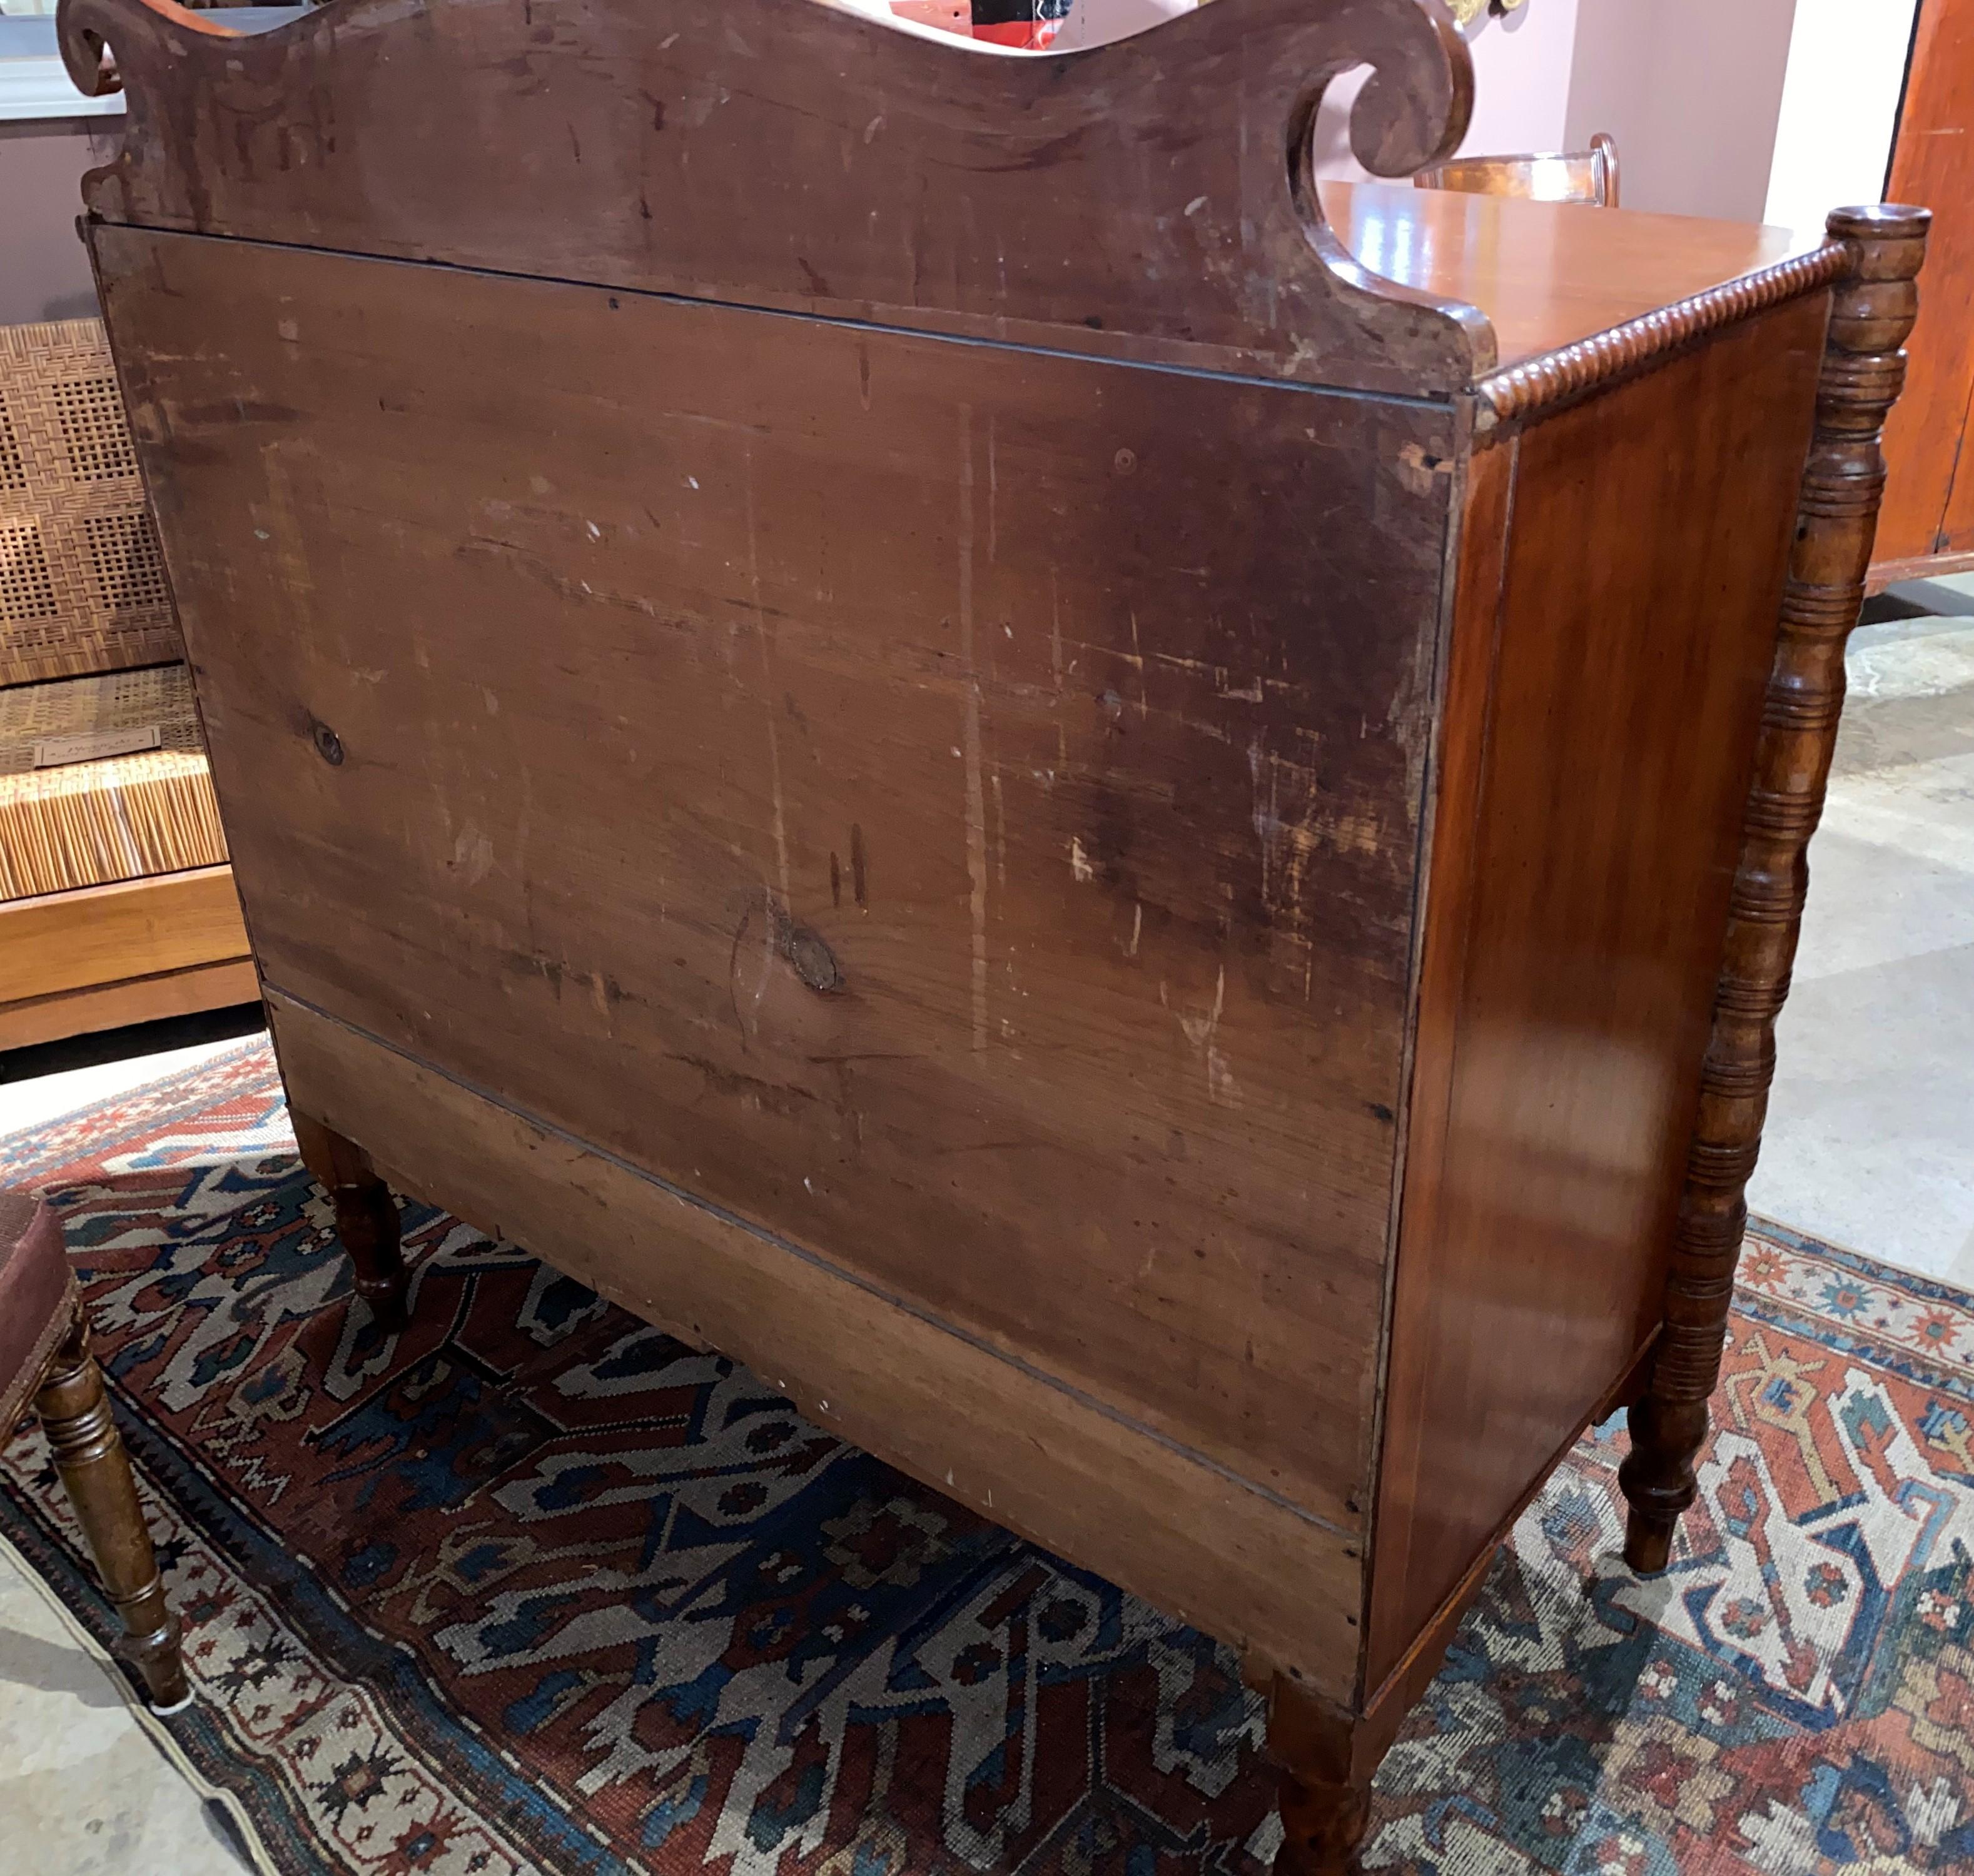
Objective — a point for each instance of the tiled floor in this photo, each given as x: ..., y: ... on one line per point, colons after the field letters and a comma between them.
x: 1871, y: 1135
x: 85, y: 1791
x: 1870, y: 1142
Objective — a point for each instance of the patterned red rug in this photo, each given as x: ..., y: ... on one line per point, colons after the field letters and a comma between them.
x: 532, y: 1588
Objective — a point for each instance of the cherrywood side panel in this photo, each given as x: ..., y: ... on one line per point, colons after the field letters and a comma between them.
x: 1151, y: 192
x: 1871, y: 316
x: 1385, y: 1704
x: 954, y: 807
x: 1928, y: 504
x: 1568, y: 985
x: 1032, y: 1455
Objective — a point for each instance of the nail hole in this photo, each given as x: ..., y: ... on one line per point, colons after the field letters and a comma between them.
x: 328, y: 745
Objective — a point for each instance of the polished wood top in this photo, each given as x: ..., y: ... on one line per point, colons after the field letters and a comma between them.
x: 1546, y: 273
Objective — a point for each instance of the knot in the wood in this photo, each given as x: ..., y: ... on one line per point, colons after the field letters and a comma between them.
x: 807, y: 951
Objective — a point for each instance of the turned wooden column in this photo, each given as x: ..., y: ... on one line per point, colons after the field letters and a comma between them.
x: 1324, y: 1784
x: 1872, y: 310
x: 366, y: 1217
x: 95, y: 1472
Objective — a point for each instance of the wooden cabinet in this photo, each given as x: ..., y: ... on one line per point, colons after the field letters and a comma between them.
x: 1928, y: 523
x: 1139, y: 829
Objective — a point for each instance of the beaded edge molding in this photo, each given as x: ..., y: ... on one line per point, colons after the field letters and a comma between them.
x: 1539, y: 385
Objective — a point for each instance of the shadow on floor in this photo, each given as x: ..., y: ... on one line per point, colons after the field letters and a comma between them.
x: 53, y: 1668
x: 1919, y: 599
x: 125, y: 1045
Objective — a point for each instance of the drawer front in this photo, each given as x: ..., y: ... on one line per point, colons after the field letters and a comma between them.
x: 955, y: 808
x: 1284, y: 1589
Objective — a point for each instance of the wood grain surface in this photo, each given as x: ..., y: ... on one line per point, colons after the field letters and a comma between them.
x: 1929, y: 505
x: 1871, y: 314
x: 827, y: 662
x: 1149, y: 197
x: 1578, y: 909
x: 1548, y: 275
x: 955, y: 807
x: 62, y: 942
x: 650, y: 144
x: 127, y: 1000
x: 1028, y: 1453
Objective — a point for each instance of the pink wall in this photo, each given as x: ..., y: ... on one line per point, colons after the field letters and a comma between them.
x: 1521, y: 87
x: 1847, y: 70
x: 1521, y: 78
x: 45, y: 274
x: 1691, y: 89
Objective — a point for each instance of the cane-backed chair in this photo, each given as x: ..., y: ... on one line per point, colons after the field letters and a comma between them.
x: 1587, y: 175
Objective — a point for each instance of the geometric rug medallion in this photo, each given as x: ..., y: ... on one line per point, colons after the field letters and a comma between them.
x: 532, y: 1588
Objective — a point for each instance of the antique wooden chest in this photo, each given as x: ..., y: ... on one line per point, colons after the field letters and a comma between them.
x: 1137, y: 825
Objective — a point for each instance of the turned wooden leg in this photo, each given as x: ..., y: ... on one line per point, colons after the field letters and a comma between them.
x: 1658, y: 1477
x: 96, y: 1473
x: 1872, y: 310
x: 366, y: 1217
x: 1325, y: 1790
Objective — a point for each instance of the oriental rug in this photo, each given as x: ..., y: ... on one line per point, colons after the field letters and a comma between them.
x: 531, y: 1587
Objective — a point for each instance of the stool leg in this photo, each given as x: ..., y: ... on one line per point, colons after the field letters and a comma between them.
x: 366, y: 1217
x: 96, y: 1473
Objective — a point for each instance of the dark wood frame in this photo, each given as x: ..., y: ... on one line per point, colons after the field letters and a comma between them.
x: 64, y: 1387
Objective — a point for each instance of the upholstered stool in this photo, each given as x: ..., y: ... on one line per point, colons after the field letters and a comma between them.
x: 44, y: 1359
